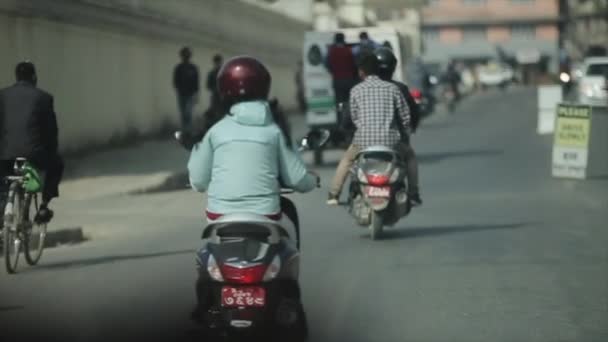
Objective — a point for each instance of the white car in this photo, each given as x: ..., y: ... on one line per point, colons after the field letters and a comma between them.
x: 592, y: 84
x: 494, y: 74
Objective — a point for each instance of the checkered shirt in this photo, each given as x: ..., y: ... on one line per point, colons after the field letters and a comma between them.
x: 374, y: 104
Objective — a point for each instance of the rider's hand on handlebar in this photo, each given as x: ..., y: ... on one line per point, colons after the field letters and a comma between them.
x: 314, y: 173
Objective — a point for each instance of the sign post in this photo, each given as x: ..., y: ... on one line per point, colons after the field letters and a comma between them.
x: 548, y: 98
x: 571, y: 141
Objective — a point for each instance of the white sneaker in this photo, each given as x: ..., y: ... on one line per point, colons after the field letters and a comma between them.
x: 332, y: 200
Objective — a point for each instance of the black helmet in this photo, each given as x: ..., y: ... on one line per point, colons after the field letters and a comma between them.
x: 387, y: 62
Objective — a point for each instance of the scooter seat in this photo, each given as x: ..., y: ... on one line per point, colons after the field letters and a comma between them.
x: 254, y: 226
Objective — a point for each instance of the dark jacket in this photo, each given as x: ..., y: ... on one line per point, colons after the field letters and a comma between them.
x: 411, y: 103
x: 212, y: 80
x: 186, y: 79
x: 28, y: 124
x: 348, y: 125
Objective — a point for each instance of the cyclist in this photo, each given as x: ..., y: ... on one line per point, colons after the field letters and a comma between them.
x: 28, y: 128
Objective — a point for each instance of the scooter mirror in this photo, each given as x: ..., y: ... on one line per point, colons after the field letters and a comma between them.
x: 315, y: 139
x: 184, y: 139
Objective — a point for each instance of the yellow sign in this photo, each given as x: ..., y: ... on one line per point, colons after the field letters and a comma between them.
x: 572, y: 128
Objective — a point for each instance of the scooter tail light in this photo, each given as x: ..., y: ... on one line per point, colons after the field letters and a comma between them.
x: 273, y: 269
x: 248, y: 274
x: 213, y: 269
x: 416, y: 94
x: 378, y: 180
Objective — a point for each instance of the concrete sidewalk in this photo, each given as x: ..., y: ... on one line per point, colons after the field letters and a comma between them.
x: 150, y: 166
x: 138, y: 168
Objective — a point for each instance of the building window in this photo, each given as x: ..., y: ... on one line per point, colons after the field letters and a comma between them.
x: 474, y: 2
x: 523, y: 32
x: 431, y: 34
x: 470, y: 34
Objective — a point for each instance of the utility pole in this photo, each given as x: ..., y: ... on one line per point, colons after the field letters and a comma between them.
x: 564, y: 22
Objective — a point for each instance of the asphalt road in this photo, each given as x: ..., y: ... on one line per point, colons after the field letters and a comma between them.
x: 500, y: 251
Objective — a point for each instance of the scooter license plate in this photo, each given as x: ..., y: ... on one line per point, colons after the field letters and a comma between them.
x: 375, y: 191
x: 243, y: 296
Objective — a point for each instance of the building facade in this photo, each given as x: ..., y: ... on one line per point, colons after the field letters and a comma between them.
x: 585, y: 25
x: 476, y: 30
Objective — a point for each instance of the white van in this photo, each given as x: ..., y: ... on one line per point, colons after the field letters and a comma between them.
x: 318, y: 87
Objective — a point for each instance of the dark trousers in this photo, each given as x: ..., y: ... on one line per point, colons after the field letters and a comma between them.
x: 342, y: 89
x: 186, y: 106
x: 52, y: 164
x: 289, y: 210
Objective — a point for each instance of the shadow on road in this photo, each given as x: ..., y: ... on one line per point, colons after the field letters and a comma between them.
x: 107, y: 260
x: 428, y: 158
x: 11, y: 308
x: 421, y: 232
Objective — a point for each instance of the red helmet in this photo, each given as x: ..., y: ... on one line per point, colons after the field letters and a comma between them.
x: 243, y: 78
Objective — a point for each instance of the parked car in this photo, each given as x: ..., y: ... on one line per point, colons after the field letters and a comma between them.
x: 591, y: 86
x: 495, y: 74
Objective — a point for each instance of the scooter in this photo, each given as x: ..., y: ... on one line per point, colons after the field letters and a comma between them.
x: 248, y: 269
x: 378, y: 190
x: 424, y: 100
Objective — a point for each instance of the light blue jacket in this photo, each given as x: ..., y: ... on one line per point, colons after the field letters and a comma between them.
x: 240, y: 159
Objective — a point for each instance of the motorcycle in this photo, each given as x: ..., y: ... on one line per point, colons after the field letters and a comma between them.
x: 248, y: 269
x: 449, y: 98
x: 424, y: 100
x: 566, y: 82
x: 378, y: 190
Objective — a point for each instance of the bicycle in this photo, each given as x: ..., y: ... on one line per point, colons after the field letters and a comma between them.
x: 24, y: 187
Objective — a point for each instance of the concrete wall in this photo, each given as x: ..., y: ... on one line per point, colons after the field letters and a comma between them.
x: 109, y: 63
x: 298, y: 9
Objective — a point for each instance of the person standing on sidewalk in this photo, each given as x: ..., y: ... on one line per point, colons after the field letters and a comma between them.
x: 214, y: 110
x: 28, y: 128
x: 186, y: 83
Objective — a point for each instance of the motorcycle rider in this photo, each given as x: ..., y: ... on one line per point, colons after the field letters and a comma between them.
x: 380, y: 113
x: 387, y: 65
x: 452, y: 78
x: 28, y: 128
x: 247, y: 135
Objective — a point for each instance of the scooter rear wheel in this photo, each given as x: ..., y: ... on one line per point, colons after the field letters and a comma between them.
x: 375, y: 226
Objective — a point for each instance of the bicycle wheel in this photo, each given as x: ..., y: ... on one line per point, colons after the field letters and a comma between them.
x: 35, y: 234
x: 12, y: 241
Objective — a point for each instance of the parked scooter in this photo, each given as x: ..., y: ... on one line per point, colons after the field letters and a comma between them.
x: 248, y: 269
x: 378, y: 190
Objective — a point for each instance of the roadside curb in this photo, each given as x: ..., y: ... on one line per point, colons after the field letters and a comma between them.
x: 61, y: 237
x: 173, y: 182
x: 67, y: 236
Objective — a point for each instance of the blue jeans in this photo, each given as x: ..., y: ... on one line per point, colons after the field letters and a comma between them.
x: 186, y: 105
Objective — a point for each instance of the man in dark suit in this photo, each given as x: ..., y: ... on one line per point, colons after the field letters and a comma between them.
x: 186, y: 83
x: 28, y: 128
